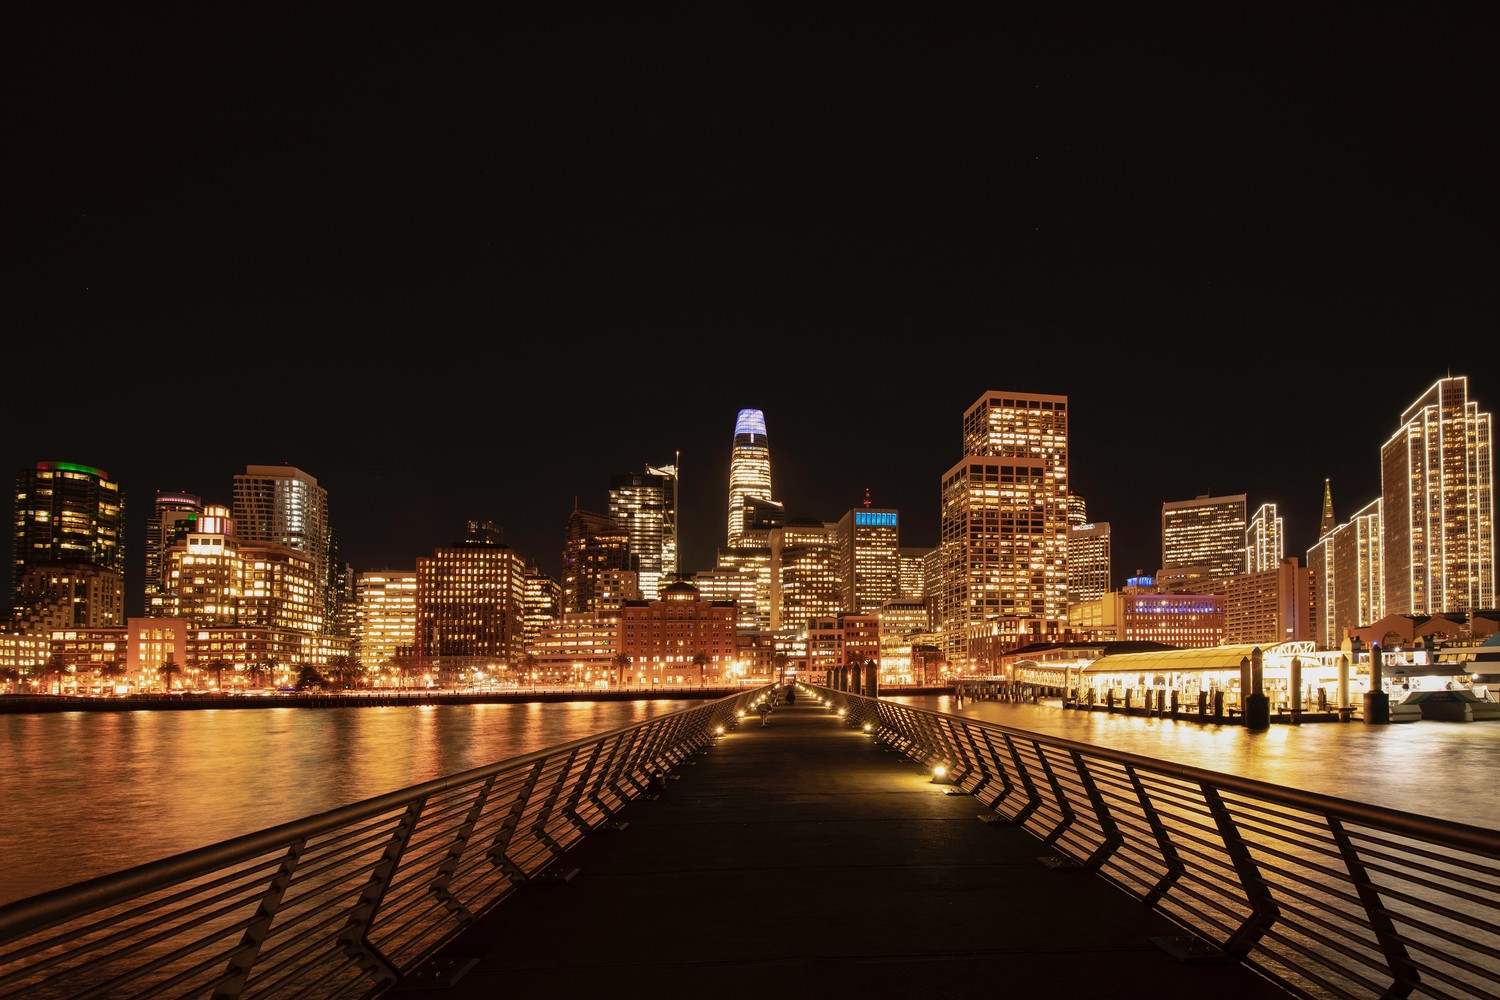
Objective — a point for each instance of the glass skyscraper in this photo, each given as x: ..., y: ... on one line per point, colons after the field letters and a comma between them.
x: 749, y: 469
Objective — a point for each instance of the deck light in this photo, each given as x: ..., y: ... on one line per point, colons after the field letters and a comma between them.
x: 718, y: 730
x: 940, y: 775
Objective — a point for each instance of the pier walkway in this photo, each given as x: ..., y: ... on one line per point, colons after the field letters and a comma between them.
x: 804, y: 859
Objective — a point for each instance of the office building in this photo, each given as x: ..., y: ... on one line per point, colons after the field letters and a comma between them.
x: 1437, y: 474
x: 749, y: 469
x: 1208, y: 531
x: 470, y: 600
x: 1004, y: 523
x: 1270, y: 606
x: 282, y: 505
x: 66, y: 513
x: 680, y: 639
x: 599, y: 568
x: 172, y: 517
x: 645, y: 506
x: 67, y: 595
x: 867, y: 544
x: 541, y: 605
x: 386, y: 619
x: 215, y: 579
x: 1264, y: 542
x: 805, y: 582
x: 1345, y: 566
x: 1089, y: 561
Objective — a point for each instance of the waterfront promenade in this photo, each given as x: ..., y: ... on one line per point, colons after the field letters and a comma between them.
x: 803, y: 859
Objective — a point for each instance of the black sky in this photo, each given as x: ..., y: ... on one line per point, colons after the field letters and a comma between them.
x: 468, y: 265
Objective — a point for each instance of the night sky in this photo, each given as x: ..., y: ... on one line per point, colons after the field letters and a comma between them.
x: 464, y: 265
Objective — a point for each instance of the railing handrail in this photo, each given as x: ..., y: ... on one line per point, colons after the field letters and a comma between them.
x: 400, y: 873
x: 1327, y: 896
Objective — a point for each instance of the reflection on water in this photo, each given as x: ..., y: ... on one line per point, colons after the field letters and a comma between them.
x: 1434, y: 769
x: 89, y: 793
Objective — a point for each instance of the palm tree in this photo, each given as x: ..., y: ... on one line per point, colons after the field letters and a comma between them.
x: 779, y: 660
x: 401, y: 669
x: 217, y: 668
x: 621, y: 663
x: 344, y: 670
x: 256, y: 673
x: 308, y: 677
x: 167, y: 669
x: 700, y: 660
x: 112, y: 671
x: 528, y: 665
x: 11, y: 675
x: 57, y: 665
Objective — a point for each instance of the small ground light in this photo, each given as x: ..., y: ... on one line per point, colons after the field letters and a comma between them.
x: 940, y: 775
x: 718, y: 730
x: 869, y: 727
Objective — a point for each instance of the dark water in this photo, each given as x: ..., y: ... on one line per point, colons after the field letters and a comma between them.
x: 88, y: 793
x: 1446, y: 770
x: 85, y: 794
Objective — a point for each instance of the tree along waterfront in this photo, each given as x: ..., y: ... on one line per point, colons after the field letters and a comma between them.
x: 89, y: 793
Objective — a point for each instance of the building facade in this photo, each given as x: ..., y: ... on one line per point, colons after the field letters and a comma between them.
x: 1206, y: 531
x: 172, y: 517
x: 867, y: 543
x: 282, y: 505
x: 1264, y: 540
x: 1004, y: 520
x: 1437, y: 475
x: 1089, y: 561
x: 645, y: 507
x: 599, y: 569
x: 386, y: 618
x: 749, y: 469
x: 66, y: 513
x: 470, y: 600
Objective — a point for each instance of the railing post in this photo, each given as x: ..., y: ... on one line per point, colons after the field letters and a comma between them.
x: 1263, y: 909
x: 1112, y: 836
x: 242, y: 960
x: 1405, y: 975
x: 461, y: 836
x: 355, y: 937
x: 507, y: 829
x: 1169, y: 855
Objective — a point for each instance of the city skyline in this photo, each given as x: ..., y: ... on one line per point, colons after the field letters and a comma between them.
x: 437, y: 509
x: 452, y: 285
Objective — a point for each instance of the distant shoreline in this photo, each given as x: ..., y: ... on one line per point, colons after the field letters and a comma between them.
x: 15, y: 704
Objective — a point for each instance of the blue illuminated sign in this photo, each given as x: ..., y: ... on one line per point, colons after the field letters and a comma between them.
x: 874, y: 518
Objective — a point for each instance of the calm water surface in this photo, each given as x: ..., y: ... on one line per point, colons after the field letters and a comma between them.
x: 88, y: 793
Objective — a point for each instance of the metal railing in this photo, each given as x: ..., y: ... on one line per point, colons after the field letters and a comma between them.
x: 348, y: 902
x: 1329, y: 897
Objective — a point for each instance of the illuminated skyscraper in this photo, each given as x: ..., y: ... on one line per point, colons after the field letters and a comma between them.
x: 1437, y: 476
x: 174, y: 515
x: 1264, y: 541
x: 867, y: 544
x: 645, y: 506
x: 386, y: 619
x: 1004, y: 527
x: 1206, y: 532
x: 285, y: 506
x: 470, y: 606
x: 1089, y: 561
x: 749, y: 469
x: 66, y: 513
